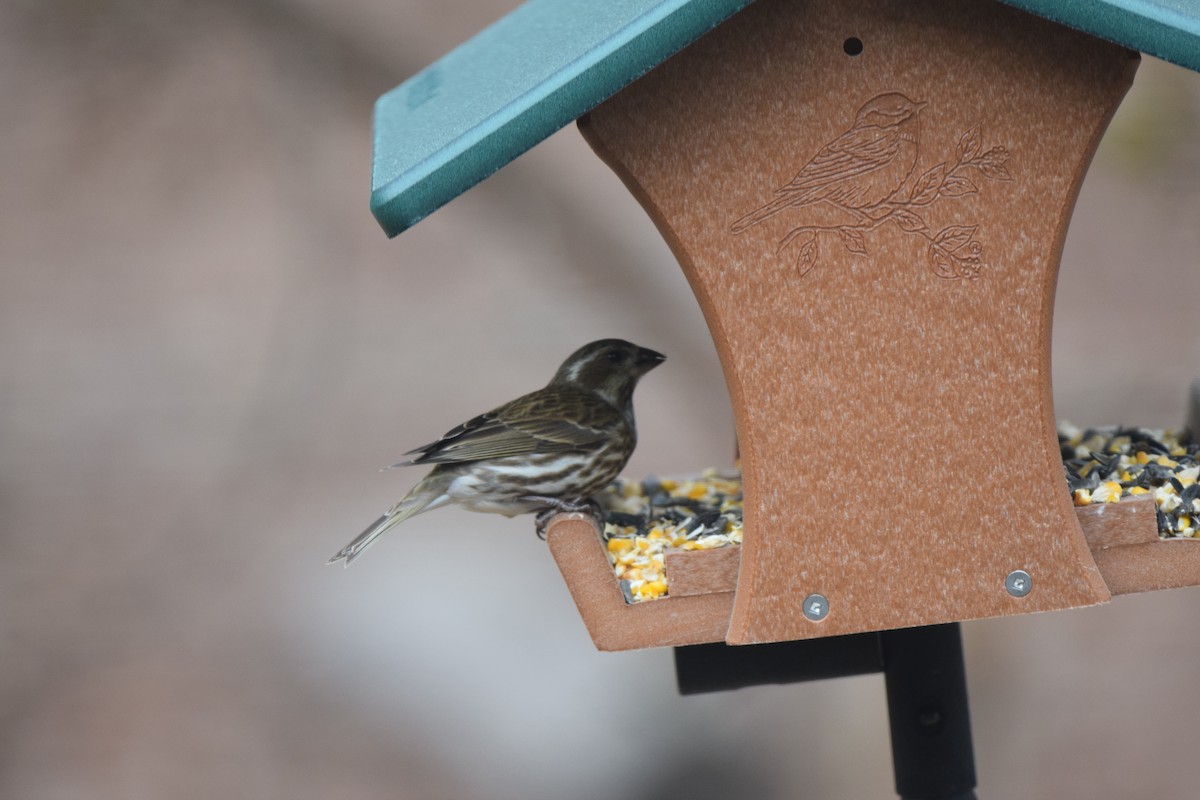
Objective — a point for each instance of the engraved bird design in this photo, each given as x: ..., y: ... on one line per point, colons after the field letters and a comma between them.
x: 863, y: 167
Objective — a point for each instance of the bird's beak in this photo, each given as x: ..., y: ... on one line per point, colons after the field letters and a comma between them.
x: 648, y: 359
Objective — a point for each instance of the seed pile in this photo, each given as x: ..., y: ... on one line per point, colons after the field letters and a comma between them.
x: 645, y: 519
x: 1103, y: 465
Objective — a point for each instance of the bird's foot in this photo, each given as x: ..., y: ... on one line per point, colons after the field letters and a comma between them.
x: 557, y: 505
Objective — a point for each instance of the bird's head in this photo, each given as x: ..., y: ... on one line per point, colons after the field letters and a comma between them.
x: 609, y: 367
x: 887, y: 110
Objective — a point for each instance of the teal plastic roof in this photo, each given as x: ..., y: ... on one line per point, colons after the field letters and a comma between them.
x: 1166, y: 29
x: 526, y: 76
x: 551, y: 61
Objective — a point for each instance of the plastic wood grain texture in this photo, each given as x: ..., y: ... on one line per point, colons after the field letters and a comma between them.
x: 874, y: 240
x: 1131, y: 521
x: 1150, y: 567
x: 702, y: 571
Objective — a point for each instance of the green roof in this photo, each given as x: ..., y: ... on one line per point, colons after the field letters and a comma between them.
x: 1166, y: 29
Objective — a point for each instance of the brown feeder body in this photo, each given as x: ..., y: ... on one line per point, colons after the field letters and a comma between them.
x: 874, y: 240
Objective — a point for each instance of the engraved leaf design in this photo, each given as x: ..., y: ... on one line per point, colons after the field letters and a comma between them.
x: 997, y: 172
x: 941, y: 263
x: 993, y: 164
x: 853, y: 240
x: 955, y: 236
x: 926, y: 187
x: 957, y: 186
x: 908, y: 221
x: 968, y: 145
x: 807, y: 259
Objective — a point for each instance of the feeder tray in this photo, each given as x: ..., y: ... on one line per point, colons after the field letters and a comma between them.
x: 1123, y: 538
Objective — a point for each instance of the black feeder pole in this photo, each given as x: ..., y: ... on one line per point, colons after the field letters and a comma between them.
x: 926, y: 683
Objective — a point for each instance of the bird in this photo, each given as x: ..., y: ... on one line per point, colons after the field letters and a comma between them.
x: 859, y: 169
x: 547, y: 451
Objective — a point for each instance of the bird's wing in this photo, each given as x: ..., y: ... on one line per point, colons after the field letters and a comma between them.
x: 535, y: 423
x: 855, y: 152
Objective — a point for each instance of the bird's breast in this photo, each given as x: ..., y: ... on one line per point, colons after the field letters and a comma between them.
x: 497, y: 485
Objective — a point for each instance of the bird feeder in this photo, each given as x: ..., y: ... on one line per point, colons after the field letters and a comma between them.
x: 869, y: 200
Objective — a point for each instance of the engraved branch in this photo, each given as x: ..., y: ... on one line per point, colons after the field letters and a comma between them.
x: 953, y: 252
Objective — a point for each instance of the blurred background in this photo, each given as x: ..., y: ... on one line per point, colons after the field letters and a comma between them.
x: 208, y: 348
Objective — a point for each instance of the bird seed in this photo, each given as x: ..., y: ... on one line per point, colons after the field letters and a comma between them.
x: 645, y: 519
x: 1102, y: 465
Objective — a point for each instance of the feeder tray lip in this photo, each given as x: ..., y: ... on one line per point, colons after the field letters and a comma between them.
x: 575, y: 544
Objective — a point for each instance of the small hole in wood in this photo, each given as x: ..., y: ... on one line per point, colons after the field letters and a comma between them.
x: 852, y: 46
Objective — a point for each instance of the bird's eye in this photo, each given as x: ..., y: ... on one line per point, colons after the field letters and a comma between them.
x: 616, y: 356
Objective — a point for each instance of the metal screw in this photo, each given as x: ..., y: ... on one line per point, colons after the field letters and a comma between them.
x: 816, y: 607
x: 1018, y: 583
x: 929, y: 718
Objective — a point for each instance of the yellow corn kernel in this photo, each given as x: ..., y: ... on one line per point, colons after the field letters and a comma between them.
x: 668, y: 484
x: 1163, y: 461
x: 655, y: 533
x: 697, y: 491
x: 1083, y: 497
x: 678, y: 541
x: 654, y: 588
x: 1109, y: 492
x: 1139, y: 490
x: 1166, y: 498
x: 1143, y: 457
x: 619, y: 545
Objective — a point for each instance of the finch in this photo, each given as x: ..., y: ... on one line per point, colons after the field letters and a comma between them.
x: 859, y: 169
x: 546, y: 451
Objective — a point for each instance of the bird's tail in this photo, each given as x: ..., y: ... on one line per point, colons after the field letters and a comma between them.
x: 422, y: 497
x: 762, y: 213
